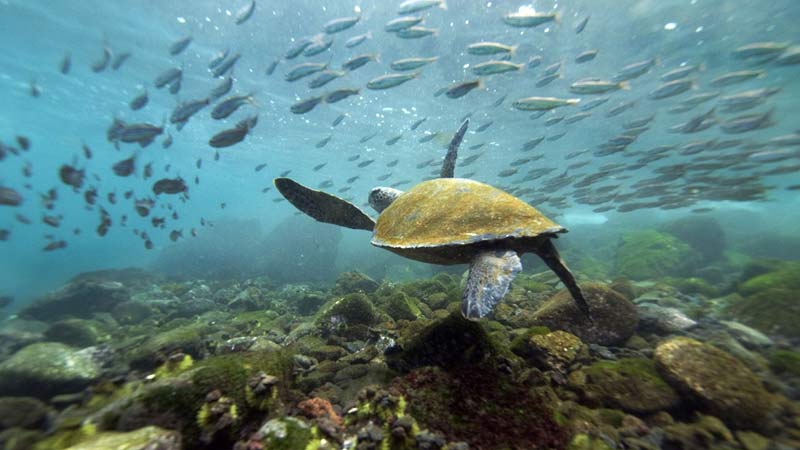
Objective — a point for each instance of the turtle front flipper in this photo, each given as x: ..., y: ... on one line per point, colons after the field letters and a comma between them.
x: 449, y: 164
x: 490, y: 275
x: 324, y: 207
x: 547, y: 251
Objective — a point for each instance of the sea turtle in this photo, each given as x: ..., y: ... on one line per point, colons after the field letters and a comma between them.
x: 450, y: 220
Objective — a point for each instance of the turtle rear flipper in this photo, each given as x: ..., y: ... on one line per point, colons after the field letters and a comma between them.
x: 490, y: 275
x: 547, y: 251
x: 449, y: 164
x: 324, y: 207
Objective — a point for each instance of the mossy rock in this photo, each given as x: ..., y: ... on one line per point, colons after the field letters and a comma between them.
x: 19, y: 439
x: 352, y: 309
x: 288, y: 433
x: 582, y: 441
x: 400, y: 306
x: 549, y: 351
x: 22, y: 412
x: 46, y: 369
x: 785, y: 362
x: 703, y: 233
x: 309, y: 304
x: 132, y: 312
x: 188, y: 339
x: 614, y: 318
x: 693, y: 285
x: 423, y: 289
x: 481, y: 406
x: 648, y: 255
x: 778, y: 275
x: 142, y: 439
x: 721, y: 384
x: 705, y: 432
x: 772, y: 311
x: 630, y: 384
x: 75, y: 332
x: 176, y: 401
x: 353, y: 282
x: 450, y: 343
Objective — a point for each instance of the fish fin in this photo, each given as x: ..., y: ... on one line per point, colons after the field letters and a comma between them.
x: 490, y: 275
x: 324, y: 207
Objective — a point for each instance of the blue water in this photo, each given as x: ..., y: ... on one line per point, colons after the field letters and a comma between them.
x: 77, y: 108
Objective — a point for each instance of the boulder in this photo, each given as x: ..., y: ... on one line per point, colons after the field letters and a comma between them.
x: 147, y: 438
x: 721, y: 384
x: 46, y: 369
x: 22, y: 412
x: 663, y: 320
x: 551, y: 351
x: 80, y: 299
x: 648, y: 255
x: 351, y: 282
x: 630, y: 384
x: 614, y: 318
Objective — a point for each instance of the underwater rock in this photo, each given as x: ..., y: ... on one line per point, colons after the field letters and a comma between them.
x: 22, y: 412
x: 80, y: 299
x: 449, y: 343
x: 785, y: 362
x: 249, y: 299
x: 288, y: 433
x: 550, y: 351
x: 614, y: 318
x: 703, y: 233
x: 46, y: 369
x: 749, y: 337
x: 75, y: 332
x: 662, y: 320
x: 17, y: 333
x: 722, y: 385
x: 352, y: 282
x: 704, y: 432
x: 308, y: 304
x: 348, y: 311
x: 189, y: 339
x: 132, y: 312
x: 630, y: 384
x: 648, y: 255
x: 481, y: 406
x: 399, y: 306
x: 148, y: 438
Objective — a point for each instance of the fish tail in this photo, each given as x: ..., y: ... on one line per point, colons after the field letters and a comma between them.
x: 443, y: 4
x: 557, y: 18
x: 625, y: 85
x: 377, y: 57
x: 513, y: 50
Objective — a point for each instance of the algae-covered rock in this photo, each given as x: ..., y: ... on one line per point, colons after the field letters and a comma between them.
x: 647, y: 255
x: 132, y: 312
x: 288, y: 433
x: 449, y: 342
x: 785, y: 362
x: 481, y: 406
x: 46, y: 369
x: 75, y: 332
x: 630, y: 384
x: 658, y: 319
x: 352, y: 309
x: 352, y: 282
x: 721, y: 384
x: 77, y: 299
x: 772, y: 311
x: 705, y: 432
x: 399, y: 306
x: 309, y: 303
x: 703, y: 233
x: 186, y: 339
x: 583, y: 441
x: 148, y: 438
x: 22, y: 412
x: 614, y: 318
x: 550, y: 351
x: 769, y: 300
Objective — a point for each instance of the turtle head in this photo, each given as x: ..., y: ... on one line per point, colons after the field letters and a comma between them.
x: 381, y: 197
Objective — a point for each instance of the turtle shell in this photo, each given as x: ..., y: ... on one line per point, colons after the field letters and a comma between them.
x: 456, y: 211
